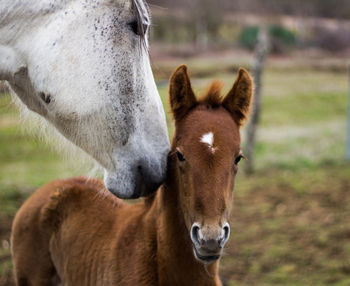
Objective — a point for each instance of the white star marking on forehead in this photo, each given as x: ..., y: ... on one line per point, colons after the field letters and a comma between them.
x: 208, y: 138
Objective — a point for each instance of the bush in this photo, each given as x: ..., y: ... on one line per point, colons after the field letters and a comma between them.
x: 248, y: 37
x: 280, y: 38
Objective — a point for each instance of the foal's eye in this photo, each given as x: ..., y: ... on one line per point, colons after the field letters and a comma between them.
x: 180, y: 156
x: 238, y: 159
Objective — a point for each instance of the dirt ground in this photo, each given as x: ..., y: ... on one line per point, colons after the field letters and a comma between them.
x: 283, y: 234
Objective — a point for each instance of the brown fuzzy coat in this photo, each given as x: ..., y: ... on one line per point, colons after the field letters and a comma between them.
x: 90, y: 238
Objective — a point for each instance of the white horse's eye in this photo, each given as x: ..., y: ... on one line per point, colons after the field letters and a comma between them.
x: 138, y: 29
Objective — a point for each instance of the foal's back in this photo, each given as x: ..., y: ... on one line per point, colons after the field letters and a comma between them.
x: 76, y: 230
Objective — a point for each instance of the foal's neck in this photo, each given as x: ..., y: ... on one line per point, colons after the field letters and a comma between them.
x: 176, y: 262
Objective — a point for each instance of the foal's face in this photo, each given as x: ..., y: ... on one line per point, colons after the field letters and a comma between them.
x: 207, y: 150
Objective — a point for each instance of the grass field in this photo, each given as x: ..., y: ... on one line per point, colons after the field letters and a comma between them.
x: 290, y: 223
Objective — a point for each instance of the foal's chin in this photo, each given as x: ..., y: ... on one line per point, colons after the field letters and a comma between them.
x: 206, y: 258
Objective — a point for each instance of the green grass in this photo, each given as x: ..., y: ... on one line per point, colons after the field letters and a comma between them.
x: 290, y: 222
x: 291, y: 228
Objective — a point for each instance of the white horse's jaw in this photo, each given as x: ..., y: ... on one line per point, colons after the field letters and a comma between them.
x: 81, y: 67
x: 140, y: 179
x: 146, y: 170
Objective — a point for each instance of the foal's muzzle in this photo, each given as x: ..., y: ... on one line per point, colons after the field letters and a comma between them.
x: 208, y: 242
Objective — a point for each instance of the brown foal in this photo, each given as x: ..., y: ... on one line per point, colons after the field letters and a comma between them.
x: 72, y: 232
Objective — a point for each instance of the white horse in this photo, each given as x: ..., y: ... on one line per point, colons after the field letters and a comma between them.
x: 83, y: 65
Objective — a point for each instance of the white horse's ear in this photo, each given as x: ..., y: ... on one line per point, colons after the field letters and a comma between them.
x: 10, y: 63
x: 239, y: 98
x: 182, y: 97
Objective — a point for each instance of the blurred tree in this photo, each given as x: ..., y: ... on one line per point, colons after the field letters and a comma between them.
x: 207, y: 16
x: 347, y: 153
x: 204, y: 16
x: 262, y: 48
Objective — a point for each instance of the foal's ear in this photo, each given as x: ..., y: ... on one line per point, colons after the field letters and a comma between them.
x: 182, y: 97
x: 239, y: 98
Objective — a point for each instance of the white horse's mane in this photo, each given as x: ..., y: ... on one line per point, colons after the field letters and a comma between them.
x: 36, y: 125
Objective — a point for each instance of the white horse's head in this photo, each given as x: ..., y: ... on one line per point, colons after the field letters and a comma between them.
x: 83, y: 65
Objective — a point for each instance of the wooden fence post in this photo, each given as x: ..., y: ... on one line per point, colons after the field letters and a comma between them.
x: 262, y: 49
x: 347, y: 153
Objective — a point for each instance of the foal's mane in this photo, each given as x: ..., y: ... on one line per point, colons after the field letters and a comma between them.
x: 212, y: 97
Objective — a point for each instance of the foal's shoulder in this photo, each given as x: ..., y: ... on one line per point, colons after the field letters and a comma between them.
x: 78, y: 194
x: 78, y: 190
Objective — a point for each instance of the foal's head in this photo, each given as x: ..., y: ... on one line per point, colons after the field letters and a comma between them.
x: 205, y: 155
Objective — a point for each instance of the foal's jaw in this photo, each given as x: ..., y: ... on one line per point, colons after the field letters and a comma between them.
x: 205, y: 259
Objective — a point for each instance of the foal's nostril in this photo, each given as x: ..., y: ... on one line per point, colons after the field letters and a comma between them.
x: 195, y: 234
x: 226, y: 234
x: 226, y: 231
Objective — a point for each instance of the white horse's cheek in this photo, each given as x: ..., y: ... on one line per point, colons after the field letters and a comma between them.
x: 10, y: 62
x: 67, y: 63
